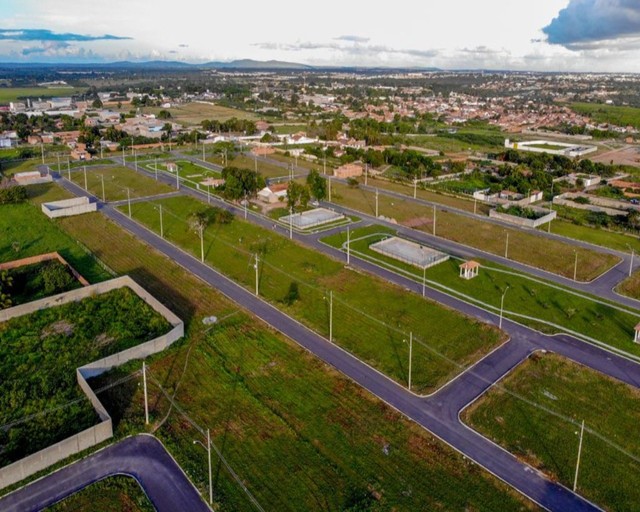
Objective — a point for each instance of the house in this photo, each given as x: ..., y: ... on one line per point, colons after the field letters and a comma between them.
x: 273, y: 193
x: 79, y: 152
x: 349, y: 170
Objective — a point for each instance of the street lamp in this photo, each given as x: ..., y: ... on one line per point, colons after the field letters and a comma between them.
x: 575, y: 266
x: 330, y: 315
x: 631, y: 262
x: 410, y: 358
x: 575, y: 479
x: 502, y: 306
x: 208, y: 448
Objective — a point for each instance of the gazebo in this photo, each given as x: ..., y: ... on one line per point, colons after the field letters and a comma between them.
x: 469, y: 270
x: 636, y: 338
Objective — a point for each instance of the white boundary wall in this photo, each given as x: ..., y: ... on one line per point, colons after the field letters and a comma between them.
x: 68, y: 207
x: 104, y: 430
x: 521, y: 221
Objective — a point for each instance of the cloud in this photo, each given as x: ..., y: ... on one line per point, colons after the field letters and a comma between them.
x: 48, y: 35
x: 585, y: 22
x: 183, y: 46
x: 353, y: 39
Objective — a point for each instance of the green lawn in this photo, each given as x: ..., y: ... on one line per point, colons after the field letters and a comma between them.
x: 611, y: 239
x: 536, y: 414
x: 525, y: 296
x: 370, y: 317
x: 114, y: 494
x: 248, y: 162
x: 194, y: 113
x: 630, y: 286
x: 524, y: 246
x: 299, y: 435
x: 22, y: 238
x: 116, y: 182
x: 612, y: 114
x: 38, y: 357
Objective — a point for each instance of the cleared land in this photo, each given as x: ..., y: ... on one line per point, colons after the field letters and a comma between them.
x: 268, y: 170
x: 116, y: 182
x: 114, y: 494
x: 195, y: 113
x: 611, y: 114
x: 544, y: 428
x: 9, y: 94
x: 39, y: 354
x: 300, y: 436
x: 524, y: 247
x: 370, y: 317
x: 526, y: 296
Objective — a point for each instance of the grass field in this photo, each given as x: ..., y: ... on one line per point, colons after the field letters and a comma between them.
x: 630, y: 286
x: 611, y: 114
x: 40, y: 235
x: 547, y: 435
x: 39, y: 353
x: 300, y: 436
x: 114, y: 494
x: 9, y: 94
x: 268, y: 170
x: 195, y: 113
x: 611, y: 239
x: 359, y: 301
x: 302, y: 164
x: 525, y: 296
x: 116, y: 182
x: 524, y: 246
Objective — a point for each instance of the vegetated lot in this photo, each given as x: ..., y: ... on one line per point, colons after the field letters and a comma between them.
x: 9, y: 94
x: 32, y: 282
x: 449, y: 145
x: 525, y: 296
x: 114, y: 494
x: 299, y: 435
x: 618, y: 115
x: 26, y: 231
x: 302, y: 163
x: 524, y: 246
x: 268, y: 170
x: 188, y: 170
x: 630, y: 286
x: 195, y: 113
x: 543, y: 427
x: 38, y: 357
x: 116, y: 182
x: 371, y: 318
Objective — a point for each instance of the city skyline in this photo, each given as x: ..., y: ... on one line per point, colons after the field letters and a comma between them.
x: 552, y: 35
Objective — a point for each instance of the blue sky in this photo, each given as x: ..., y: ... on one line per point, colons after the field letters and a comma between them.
x: 580, y: 35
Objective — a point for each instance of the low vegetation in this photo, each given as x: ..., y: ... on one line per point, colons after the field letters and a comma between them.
x: 33, y: 282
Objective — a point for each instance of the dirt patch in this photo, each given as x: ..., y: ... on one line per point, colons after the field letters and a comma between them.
x: 103, y: 340
x: 60, y: 327
x: 418, y: 222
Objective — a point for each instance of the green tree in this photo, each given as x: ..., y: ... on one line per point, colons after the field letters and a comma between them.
x: 297, y: 196
x: 164, y: 114
x: 6, y: 282
x: 55, y: 278
x: 241, y: 183
x: 97, y: 103
x: 317, y: 185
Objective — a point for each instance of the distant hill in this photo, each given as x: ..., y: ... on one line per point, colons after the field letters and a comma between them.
x: 256, y: 64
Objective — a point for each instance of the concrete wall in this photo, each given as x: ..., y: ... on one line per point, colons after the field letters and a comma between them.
x: 104, y: 430
x: 68, y: 207
x: 39, y: 259
x: 521, y: 221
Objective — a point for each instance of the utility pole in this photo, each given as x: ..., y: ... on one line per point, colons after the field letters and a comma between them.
x: 135, y: 156
x: 290, y: 223
x: 475, y: 205
x: 85, y: 178
x: 102, y: 180
x: 410, y: 358
x: 366, y: 173
x: 331, y: 316
x: 210, y: 473
x: 506, y: 247
x: 324, y: 163
x: 69, y: 169
x: 329, y: 180
x: 245, y: 207
x: 42, y: 150
x: 124, y: 161
x: 424, y: 279
x: 631, y: 262
x: 177, y: 177
x: 201, y: 231
x: 146, y: 400
x: 348, y: 246
x: 161, y: 226
x: 208, y: 193
x: 434, y: 219
x: 156, y: 168
x: 129, y: 200
x: 502, y: 306
x: 101, y: 150
x: 256, y: 267
x: 575, y: 480
x: 377, y: 208
x: 575, y: 267
x: 415, y: 188
x: 255, y: 163
x: 58, y: 155
x: 204, y: 156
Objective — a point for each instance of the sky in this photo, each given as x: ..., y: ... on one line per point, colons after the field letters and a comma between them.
x: 537, y: 35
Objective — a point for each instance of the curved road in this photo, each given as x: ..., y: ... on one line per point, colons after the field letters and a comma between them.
x: 142, y: 457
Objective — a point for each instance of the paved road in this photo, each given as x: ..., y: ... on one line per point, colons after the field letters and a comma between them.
x: 143, y: 457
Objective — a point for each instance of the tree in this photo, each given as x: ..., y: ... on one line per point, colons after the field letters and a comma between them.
x: 97, y: 103
x: 6, y: 282
x: 55, y: 278
x: 198, y: 221
x: 241, y: 183
x: 164, y: 114
x: 297, y: 195
x: 317, y: 185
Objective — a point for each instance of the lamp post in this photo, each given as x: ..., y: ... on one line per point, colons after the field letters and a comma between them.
x: 256, y: 267
x: 435, y: 210
x: 124, y: 160
x: 575, y: 479
x: 177, y: 177
x: 424, y: 280
x: 161, y: 225
x: 146, y: 402
x: 377, y: 205
x: 208, y: 448
x: 502, y: 306
x: 575, y: 266
x: 330, y: 316
x: 290, y: 223
x: 410, y: 359
x: 415, y: 188
x: 85, y: 177
x: 631, y: 262
x: 129, y: 200
x: 348, y: 246
x: 102, y: 181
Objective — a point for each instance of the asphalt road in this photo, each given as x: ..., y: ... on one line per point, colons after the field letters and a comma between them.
x: 142, y: 457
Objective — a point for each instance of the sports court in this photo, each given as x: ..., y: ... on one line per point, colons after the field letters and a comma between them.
x: 312, y: 218
x: 409, y: 252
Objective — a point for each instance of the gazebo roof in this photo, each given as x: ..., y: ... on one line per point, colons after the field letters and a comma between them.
x: 468, y: 265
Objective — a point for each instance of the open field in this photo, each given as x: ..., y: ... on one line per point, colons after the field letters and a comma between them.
x: 26, y: 231
x: 365, y: 308
x: 302, y: 163
x: 116, y: 182
x: 448, y: 145
x: 524, y: 246
x: 630, y: 286
x: 611, y: 239
x: 299, y: 435
x: 39, y: 354
x: 195, y: 113
x: 9, y: 94
x: 611, y: 114
x: 114, y: 494
x: 267, y: 170
x: 543, y: 427
x: 526, y: 296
